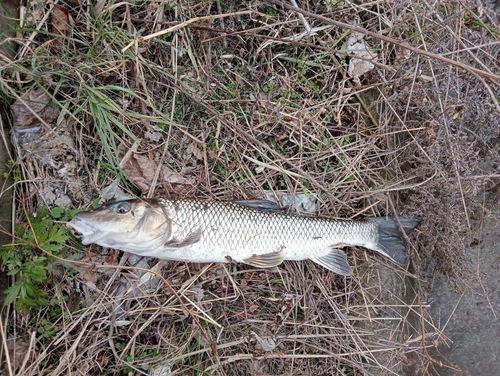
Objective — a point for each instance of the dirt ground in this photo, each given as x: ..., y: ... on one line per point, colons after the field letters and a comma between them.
x: 469, y: 317
x: 343, y: 109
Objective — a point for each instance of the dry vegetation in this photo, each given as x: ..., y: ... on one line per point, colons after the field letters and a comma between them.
x: 223, y: 100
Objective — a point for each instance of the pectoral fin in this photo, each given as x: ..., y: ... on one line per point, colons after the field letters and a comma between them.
x: 192, y: 238
x: 336, y: 261
x: 268, y: 260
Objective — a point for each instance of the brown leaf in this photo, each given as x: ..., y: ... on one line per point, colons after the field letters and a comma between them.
x: 173, y: 177
x: 193, y: 149
x: 111, y: 258
x: 141, y: 171
x: 18, y: 348
x: 60, y: 22
x: 99, y: 6
x: 35, y: 101
x: 212, y: 153
x: 87, y: 274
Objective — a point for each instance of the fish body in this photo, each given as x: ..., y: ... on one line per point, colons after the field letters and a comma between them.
x: 217, y: 231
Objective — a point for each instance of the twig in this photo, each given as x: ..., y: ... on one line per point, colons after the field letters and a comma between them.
x: 183, y: 24
x: 8, y: 365
x: 271, y: 167
x: 302, y: 18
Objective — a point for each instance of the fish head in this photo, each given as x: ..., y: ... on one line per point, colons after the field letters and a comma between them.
x: 131, y: 225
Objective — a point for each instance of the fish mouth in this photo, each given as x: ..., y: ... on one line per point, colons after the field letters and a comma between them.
x: 82, y: 229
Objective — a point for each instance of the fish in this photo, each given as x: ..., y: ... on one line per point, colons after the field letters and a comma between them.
x: 254, y: 232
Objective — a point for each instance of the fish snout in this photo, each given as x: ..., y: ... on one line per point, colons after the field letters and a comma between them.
x: 81, y: 229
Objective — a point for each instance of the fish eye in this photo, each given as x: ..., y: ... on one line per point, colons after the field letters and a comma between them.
x: 123, y: 207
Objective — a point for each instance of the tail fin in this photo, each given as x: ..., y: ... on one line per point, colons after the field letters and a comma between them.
x: 390, y: 240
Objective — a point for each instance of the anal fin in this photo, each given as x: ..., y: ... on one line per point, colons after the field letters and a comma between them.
x: 336, y: 261
x: 267, y: 260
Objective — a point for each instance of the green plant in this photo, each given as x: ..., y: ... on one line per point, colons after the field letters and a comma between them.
x: 476, y: 20
x: 333, y: 4
x: 46, y: 329
x: 27, y: 264
x: 266, y: 88
x: 138, y: 355
x: 13, y: 170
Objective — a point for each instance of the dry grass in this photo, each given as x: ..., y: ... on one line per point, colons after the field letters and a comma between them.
x: 236, y: 99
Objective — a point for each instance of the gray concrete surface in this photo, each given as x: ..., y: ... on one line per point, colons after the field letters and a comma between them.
x: 471, y: 320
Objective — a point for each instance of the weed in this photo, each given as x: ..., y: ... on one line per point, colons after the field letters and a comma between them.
x: 138, y: 355
x: 13, y: 170
x: 27, y: 265
x: 333, y: 4
x: 46, y: 329
x: 276, y: 282
x: 267, y: 87
x: 285, y: 93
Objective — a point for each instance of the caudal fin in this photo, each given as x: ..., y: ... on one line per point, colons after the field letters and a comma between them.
x: 390, y: 239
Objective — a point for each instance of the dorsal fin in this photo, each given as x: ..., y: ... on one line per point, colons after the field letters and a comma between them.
x: 262, y: 205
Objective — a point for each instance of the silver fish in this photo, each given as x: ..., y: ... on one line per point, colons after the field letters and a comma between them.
x: 254, y: 232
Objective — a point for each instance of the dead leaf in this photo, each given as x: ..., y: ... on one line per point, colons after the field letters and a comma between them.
x: 35, y: 101
x: 87, y: 274
x: 153, y: 136
x: 141, y: 171
x: 193, y: 149
x: 170, y: 176
x: 99, y: 6
x: 112, y: 257
x: 18, y: 350
x: 60, y: 23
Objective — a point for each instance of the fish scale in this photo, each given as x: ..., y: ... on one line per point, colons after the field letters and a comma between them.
x: 224, y: 231
x: 229, y: 229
